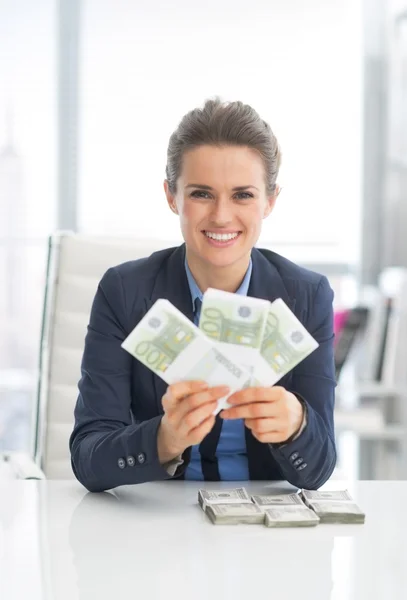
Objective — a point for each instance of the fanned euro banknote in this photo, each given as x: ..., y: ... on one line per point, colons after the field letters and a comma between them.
x: 266, y: 338
x: 286, y: 342
x: 237, y: 323
x: 175, y: 349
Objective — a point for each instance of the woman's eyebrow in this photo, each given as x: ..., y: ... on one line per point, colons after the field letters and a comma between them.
x: 199, y: 185
x: 240, y: 188
x: 202, y: 186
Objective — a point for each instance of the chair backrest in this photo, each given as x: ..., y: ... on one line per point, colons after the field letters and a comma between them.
x: 76, y: 264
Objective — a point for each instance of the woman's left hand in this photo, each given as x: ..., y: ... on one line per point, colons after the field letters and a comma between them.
x: 273, y: 414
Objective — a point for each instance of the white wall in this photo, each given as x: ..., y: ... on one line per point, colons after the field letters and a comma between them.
x: 298, y: 63
x: 28, y: 82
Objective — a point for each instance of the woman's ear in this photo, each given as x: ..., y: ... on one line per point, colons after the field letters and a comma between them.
x: 170, y: 197
x: 271, y: 201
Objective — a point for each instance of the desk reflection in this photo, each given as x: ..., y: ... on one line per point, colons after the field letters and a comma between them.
x: 116, y: 551
x: 58, y: 542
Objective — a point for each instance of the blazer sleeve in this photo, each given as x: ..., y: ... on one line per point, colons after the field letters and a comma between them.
x: 309, y: 460
x: 107, y: 448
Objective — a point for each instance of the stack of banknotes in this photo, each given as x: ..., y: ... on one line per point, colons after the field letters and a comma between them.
x: 285, y: 510
x: 333, y: 507
x: 231, y: 507
x: 228, y: 507
x: 240, y: 342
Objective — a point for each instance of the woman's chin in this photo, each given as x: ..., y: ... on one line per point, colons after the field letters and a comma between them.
x: 222, y: 258
x: 217, y: 255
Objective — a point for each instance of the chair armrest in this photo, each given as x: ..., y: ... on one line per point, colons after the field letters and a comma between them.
x: 22, y: 465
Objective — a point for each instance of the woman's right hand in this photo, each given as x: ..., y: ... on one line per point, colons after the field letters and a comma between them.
x: 188, y: 418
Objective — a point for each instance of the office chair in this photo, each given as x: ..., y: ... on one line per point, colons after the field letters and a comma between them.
x: 76, y: 263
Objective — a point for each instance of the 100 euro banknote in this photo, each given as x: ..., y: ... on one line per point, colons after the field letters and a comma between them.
x: 285, y: 344
x: 175, y: 349
x: 266, y: 338
x: 237, y: 323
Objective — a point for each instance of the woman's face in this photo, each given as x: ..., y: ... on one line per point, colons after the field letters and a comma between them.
x: 221, y: 200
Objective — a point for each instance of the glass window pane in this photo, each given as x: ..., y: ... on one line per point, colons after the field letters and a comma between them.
x: 27, y: 201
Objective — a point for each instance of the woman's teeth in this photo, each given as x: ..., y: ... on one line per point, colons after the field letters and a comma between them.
x: 221, y: 237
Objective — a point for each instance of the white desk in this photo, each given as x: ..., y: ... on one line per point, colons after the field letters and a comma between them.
x: 153, y: 542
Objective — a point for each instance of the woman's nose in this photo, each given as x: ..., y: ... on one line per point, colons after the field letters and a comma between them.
x: 222, y: 212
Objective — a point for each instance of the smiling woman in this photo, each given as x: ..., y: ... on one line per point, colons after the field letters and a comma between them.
x: 222, y: 188
x: 222, y: 167
x: 221, y: 218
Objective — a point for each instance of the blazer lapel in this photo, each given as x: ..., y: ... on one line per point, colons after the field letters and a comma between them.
x: 171, y: 284
x: 266, y: 281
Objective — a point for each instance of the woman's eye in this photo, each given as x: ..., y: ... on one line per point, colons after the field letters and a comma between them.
x: 243, y: 195
x: 204, y: 195
x: 200, y: 194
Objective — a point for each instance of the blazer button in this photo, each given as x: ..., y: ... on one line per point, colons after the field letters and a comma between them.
x: 141, y: 458
x: 121, y: 463
x: 301, y: 467
x: 298, y: 462
x: 130, y: 461
x: 294, y: 456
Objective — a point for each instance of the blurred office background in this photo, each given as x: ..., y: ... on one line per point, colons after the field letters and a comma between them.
x: 90, y: 91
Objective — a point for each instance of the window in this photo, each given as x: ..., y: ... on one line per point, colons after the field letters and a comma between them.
x: 27, y: 198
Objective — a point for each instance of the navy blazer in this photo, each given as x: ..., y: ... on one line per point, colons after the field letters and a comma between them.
x: 118, y: 411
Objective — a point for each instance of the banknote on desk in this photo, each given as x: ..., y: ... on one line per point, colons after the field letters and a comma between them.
x: 331, y: 495
x: 277, y: 500
x: 214, y: 497
x: 233, y: 514
x: 336, y: 506
x: 169, y: 344
x: 338, y: 512
x: 290, y: 516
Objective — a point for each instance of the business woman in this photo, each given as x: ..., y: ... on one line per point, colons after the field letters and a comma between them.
x: 221, y: 181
